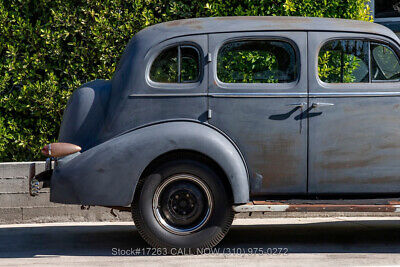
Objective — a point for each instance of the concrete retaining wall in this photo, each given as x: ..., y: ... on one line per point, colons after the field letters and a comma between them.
x: 17, y: 206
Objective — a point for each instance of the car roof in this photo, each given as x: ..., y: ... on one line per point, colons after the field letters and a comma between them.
x: 261, y: 23
x: 151, y: 36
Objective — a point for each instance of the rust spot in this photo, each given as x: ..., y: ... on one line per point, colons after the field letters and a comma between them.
x: 345, y: 151
x: 389, y: 145
x: 280, y: 164
x: 256, y: 18
x: 362, y: 181
x: 349, y: 164
x: 384, y: 179
x: 386, y: 206
x: 262, y: 202
x: 192, y: 23
x: 275, y: 19
x: 340, y: 208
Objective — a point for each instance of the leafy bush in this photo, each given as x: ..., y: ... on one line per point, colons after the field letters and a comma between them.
x: 50, y: 47
x: 256, y: 61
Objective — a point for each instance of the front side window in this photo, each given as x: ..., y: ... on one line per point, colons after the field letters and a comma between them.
x: 257, y: 61
x: 344, y: 61
x: 357, y: 61
x: 178, y: 64
x: 385, y: 63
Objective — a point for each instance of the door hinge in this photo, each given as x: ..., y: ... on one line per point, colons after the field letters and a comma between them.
x: 209, y: 114
x: 208, y: 57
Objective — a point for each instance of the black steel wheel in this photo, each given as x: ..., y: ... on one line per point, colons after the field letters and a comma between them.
x: 182, y: 204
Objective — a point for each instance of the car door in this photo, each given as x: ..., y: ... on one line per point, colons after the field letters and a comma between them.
x: 354, y: 116
x: 257, y: 92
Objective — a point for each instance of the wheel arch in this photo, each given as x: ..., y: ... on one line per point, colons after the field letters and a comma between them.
x: 184, y: 154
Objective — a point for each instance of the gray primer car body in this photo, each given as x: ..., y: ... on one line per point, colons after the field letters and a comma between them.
x: 264, y: 146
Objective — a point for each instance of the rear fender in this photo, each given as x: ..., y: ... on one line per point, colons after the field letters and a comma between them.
x: 84, y: 115
x: 107, y: 174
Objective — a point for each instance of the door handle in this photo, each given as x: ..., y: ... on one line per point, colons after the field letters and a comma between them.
x: 297, y: 105
x: 318, y: 104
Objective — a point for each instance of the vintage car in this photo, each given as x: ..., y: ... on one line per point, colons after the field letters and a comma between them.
x: 207, y: 117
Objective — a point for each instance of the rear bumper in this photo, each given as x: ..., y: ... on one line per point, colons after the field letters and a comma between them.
x: 40, y: 180
x: 62, y: 190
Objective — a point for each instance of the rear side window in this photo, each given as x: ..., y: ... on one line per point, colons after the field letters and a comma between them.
x: 357, y: 61
x: 178, y: 64
x: 344, y: 61
x: 257, y: 61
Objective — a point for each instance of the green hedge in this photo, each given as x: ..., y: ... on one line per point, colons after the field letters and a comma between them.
x: 50, y: 47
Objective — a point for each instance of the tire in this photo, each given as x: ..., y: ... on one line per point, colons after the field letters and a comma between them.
x: 182, y: 204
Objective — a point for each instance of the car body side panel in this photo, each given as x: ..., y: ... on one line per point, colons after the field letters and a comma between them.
x: 107, y: 174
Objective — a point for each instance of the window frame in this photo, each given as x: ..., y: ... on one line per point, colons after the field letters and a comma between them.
x: 179, y: 84
x: 364, y: 39
x: 258, y: 85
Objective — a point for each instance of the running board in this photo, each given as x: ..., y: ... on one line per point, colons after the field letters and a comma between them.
x: 264, y: 206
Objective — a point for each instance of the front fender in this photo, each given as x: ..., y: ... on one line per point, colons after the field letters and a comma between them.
x: 107, y: 174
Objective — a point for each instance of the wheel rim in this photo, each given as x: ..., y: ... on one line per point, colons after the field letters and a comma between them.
x: 182, y: 204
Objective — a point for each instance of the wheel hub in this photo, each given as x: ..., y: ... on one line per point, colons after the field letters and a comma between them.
x: 182, y: 204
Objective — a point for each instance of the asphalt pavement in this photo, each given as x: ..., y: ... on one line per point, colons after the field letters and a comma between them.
x: 338, y: 241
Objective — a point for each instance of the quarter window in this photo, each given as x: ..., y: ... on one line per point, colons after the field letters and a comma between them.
x: 357, y: 61
x: 178, y: 64
x: 257, y: 61
x: 385, y: 63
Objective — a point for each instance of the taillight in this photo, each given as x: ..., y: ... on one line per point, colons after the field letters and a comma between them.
x: 60, y: 149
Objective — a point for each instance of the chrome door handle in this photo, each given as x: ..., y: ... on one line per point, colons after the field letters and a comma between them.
x: 316, y: 105
x: 297, y: 105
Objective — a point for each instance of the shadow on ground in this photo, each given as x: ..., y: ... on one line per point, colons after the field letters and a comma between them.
x: 92, y: 240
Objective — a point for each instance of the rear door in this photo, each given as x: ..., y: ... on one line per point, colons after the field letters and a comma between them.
x: 354, y: 116
x: 258, y: 90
